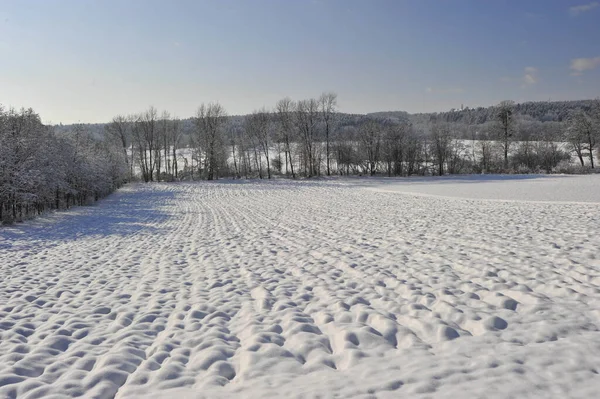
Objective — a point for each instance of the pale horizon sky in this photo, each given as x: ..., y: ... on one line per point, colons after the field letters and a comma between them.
x: 86, y: 61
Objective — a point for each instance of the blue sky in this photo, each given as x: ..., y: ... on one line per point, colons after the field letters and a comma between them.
x: 86, y: 61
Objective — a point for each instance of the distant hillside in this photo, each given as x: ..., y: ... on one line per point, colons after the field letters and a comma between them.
x: 542, y: 111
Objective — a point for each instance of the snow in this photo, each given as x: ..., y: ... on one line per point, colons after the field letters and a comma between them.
x: 556, y: 188
x: 337, y: 287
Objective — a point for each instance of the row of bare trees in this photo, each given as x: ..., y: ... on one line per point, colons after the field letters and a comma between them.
x: 293, y: 128
x: 306, y: 138
x: 255, y: 145
x: 581, y: 131
x: 148, y: 141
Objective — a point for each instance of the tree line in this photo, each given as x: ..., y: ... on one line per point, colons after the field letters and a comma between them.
x: 309, y: 138
x: 541, y: 111
x: 41, y: 170
x: 288, y: 137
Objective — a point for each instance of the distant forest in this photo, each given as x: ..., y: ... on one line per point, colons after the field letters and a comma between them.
x: 541, y: 111
x: 55, y: 167
x: 535, y: 111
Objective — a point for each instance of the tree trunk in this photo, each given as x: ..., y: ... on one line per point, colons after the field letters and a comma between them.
x: 591, y: 148
x: 291, y: 161
x: 268, y: 163
x: 175, y: 162
x: 506, y: 151
x: 327, y: 148
x: 234, y: 161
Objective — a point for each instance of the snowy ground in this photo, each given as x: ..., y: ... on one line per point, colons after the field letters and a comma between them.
x: 555, y: 188
x: 332, y: 288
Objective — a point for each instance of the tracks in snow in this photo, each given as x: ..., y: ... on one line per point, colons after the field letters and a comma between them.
x: 223, y: 288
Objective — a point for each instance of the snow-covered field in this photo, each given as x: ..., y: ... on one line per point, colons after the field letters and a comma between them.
x: 332, y: 288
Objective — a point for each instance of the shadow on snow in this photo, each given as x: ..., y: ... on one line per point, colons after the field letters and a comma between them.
x: 123, y: 213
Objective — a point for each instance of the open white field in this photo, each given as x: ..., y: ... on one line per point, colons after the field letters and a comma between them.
x: 331, y: 288
x: 530, y: 188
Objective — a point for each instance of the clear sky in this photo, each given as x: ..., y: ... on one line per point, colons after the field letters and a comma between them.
x: 86, y: 61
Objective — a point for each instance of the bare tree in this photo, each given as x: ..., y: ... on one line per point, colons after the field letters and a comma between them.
x: 328, y: 102
x: 505, y: 118
x: 307, y: 112
x: 596, y: 119
x: 119, y: 129
x: 144, y: 132
x: 234, y: 142
x: 285, y: 116
x: 414, y: 150
x: 393, y: 151
x: 583, y: 133
x: 345, y: 151
x: 575, y: 137
x: 259, y: 129
x: 210, y: 120
x: 369, y: 136
x: 164, y: 127
x: 441, y: 141
x: 251, y: 125
x: 176, y: 133
x: 240, y: 150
